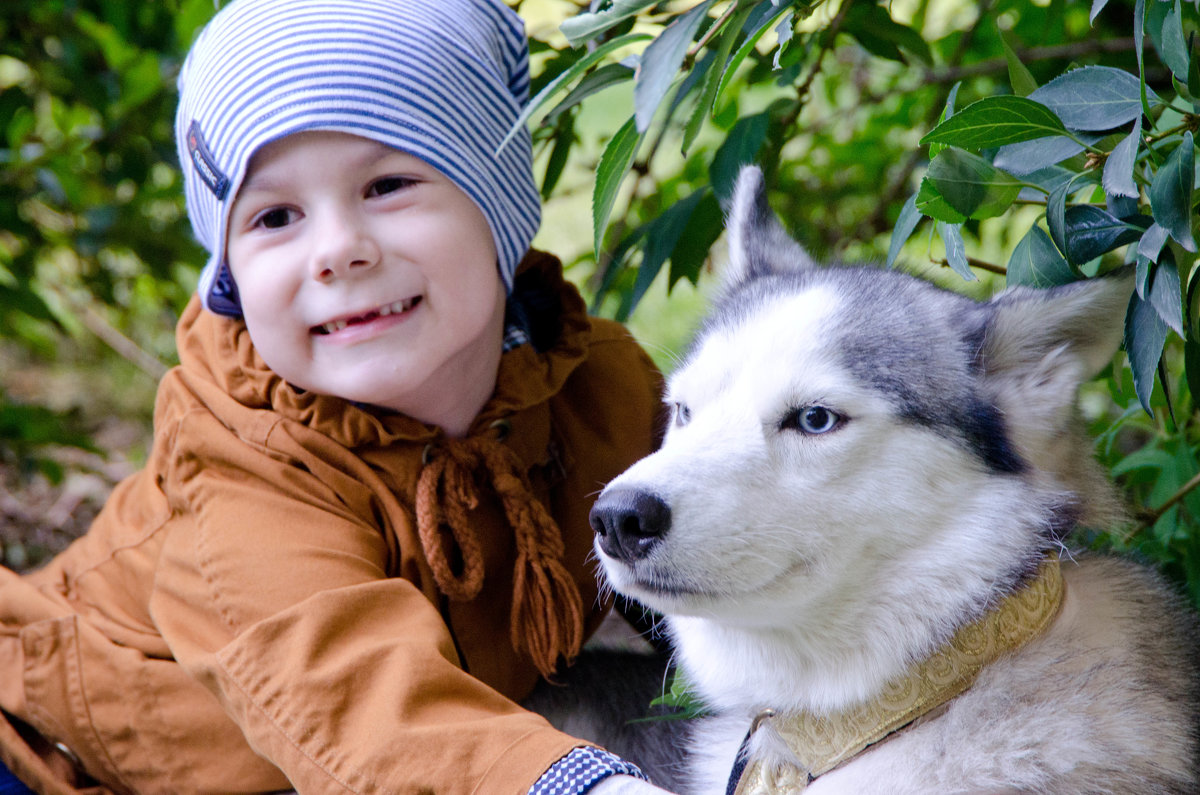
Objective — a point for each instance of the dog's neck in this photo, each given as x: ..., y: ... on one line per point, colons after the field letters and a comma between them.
x: 797, y: 747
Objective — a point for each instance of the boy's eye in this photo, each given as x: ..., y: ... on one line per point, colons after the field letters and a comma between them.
x: 386, y: 185
x: 275, y: 218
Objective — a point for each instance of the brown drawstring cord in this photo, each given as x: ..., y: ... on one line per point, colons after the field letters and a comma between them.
x: 547, y: 609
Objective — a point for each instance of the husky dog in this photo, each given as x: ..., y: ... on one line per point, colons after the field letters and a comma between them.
x: 853, y: 528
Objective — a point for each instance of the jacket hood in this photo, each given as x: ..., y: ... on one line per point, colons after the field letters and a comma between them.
x: 216, y: 351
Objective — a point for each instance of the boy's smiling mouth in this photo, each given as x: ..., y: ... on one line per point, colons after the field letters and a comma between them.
x: 394, y: 308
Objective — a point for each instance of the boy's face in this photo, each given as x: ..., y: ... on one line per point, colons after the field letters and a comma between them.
x: 365, y: 273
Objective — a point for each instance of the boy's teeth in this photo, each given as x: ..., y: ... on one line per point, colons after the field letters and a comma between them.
x: 399, y: 306
x: 383, y: 311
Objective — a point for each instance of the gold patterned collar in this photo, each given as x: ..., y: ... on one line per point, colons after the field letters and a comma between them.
x: 822, y: 742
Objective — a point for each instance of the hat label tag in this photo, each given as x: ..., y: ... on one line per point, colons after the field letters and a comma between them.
x: 206, y: 165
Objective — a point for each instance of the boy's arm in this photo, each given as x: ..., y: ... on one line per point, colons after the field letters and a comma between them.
x: 277, y: 600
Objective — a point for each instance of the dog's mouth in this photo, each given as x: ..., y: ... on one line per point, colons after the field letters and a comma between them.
x: 662, y: 587
x: 665, y: 588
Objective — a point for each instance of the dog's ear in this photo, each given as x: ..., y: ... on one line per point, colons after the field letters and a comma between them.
x: 1056, y: 338
x: 758, y: 243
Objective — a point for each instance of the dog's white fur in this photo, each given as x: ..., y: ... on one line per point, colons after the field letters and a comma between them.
x: 803, y: 571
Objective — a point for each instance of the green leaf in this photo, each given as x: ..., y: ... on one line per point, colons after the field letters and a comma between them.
x: 701, y: 232
x: 996, y: 121
x: 1148, y: 250
x: 564, y: 138
x: 784, y: 32
x: 1185, y: 89
x: 580, y: 28
x: 140, y: 81
x: 740, y: 148
x: 905, y: 224
x: 1146, y: 458
x: 1036, y: 262
x: 661, y: 60
x: 761, y: 24
x: 681, y: 697
x: 1019, y: 77
x: 564, y: 79
x: 873, y: 27
x: 593, y: 82
x: 1171, y: 193
x: 1193, y: 90
x: 1165, y: 295
x: 971, y: 185
x: 1121, y: 206
x: 1145, y: 335
x: 956, y: 251
x: 1174, y: 49
x: 616, y: 271
x: 662, y: 234
x: 610, y: 173
x: 1027, y: 157
x: 1139, y: 24
x: 1094, y: 98
x: 1056, y: 213
x: 1118, y: 168
x: 931, y: 203
x: 712, y: 80
x: 947, y: 112
x: 1097, y: 7
x: 1090, y: 231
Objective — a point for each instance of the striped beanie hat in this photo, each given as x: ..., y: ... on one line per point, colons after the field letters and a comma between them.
x: 443, y: 80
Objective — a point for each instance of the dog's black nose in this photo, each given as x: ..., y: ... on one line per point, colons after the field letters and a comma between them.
x: 629, y: 522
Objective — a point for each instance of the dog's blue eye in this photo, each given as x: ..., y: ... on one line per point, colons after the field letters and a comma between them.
x: 681, y: 413
x: 811, y: 420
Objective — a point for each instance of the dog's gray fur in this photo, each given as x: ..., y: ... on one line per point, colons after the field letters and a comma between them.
x: 802, y: 571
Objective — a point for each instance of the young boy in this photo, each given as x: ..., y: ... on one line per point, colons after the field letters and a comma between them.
x: 362, y: 533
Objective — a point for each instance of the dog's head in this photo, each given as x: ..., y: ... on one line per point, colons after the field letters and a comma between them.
x: 835, y: 428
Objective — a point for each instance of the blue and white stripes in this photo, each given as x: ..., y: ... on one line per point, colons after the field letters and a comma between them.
x: 443, y: 80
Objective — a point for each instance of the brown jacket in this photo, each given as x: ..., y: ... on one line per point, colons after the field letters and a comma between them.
x: 255, y: 610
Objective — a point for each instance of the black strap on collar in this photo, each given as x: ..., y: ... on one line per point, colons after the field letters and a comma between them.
x: 739, y: 764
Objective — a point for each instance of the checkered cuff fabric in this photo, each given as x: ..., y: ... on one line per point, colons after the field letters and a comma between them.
x: 580, y: 770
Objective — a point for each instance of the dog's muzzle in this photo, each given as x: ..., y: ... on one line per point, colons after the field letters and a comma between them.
x: 629, y: 522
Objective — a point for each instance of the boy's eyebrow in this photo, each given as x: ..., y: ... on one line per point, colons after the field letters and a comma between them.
x: 256, y: 181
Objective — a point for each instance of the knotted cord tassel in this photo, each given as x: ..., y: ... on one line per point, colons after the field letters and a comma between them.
x: 547, y: 609
x: 446, y: 481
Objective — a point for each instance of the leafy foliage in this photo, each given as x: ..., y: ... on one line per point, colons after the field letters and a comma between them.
x: 93, y: 236
x: 1086, y: 158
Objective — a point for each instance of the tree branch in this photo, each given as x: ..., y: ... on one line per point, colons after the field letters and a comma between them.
x: 127, y: 348
x: 952, y: 73
x: 1149, y: 517
x: 976, y: 263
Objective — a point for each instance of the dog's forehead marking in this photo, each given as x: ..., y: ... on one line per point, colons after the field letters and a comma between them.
x: 884, y: 333
x: 786, y: 344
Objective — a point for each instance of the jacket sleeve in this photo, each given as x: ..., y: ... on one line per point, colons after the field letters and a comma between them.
x: 274, y: 595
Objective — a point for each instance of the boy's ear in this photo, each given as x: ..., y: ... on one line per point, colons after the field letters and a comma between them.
x: 758, y: 243
x: 1049, y: 341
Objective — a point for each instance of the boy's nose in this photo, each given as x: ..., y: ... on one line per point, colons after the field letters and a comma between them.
x: 342, y: 246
